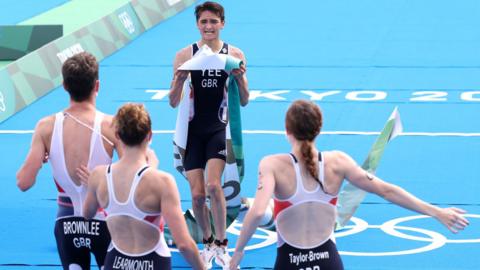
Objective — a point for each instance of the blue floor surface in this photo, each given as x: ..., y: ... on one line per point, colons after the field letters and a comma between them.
x: 359, y: 59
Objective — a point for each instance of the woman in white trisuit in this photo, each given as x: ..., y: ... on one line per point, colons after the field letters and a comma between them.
x: 305, y: 184
x: 136, y: 199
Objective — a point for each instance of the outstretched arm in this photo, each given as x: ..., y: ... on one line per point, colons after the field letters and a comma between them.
x: 265, y: 189
x: 37, y: 155
x: 450, y: 217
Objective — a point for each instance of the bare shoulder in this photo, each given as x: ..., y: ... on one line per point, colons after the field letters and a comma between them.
x: 336, y: 155
x: 271, y: 158
x: 97, y: 174
x: 275, y: 161
x: 108, y: 129
x: 107, y: 118
x: 234, y: 51
x: 44, y: 126
x: 338, y: 160
x: 183, y: 54
x: 164, y: 176
x: 161, y: 178
x: 98, y: 171
x: 46, y: 122
x: 107, y: 122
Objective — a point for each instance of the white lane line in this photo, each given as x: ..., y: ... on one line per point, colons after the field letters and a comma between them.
x: 281, y: 132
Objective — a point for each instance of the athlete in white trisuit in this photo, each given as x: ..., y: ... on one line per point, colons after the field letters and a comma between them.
x: 136, y: 198
x: 78, y: 137
x: 305, y: 185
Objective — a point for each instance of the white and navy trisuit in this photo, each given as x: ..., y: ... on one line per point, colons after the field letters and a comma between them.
x: 206, y: 130
x: 158, y: 257
x: 314, y: 248
x: 75, y: 236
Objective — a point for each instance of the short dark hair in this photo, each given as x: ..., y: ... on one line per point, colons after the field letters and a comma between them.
x: 213, y: 7
x: 80, y: 72
x: 132, y: 124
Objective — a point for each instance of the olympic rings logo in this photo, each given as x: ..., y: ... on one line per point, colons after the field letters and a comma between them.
x: 434, y: 239
x: 267, y: 237
x: 127, y: 22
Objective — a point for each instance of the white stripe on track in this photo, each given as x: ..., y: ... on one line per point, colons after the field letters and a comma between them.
x: 281, y: 132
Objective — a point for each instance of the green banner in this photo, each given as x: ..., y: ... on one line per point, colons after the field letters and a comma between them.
x: 39, y: 72
x: 19, y: 40
x: 152, y: 12
x: 350, y: 196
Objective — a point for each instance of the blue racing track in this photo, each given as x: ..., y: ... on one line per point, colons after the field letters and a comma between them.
x: 358, y: 60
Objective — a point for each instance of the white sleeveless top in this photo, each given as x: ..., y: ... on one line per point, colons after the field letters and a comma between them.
x: 307, y: 218
x: 68, y: 190
x: 128, y: 208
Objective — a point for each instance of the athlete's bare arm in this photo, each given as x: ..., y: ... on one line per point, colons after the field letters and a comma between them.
x: 37, y: 155
x: 91, y: 204
x: 172, y: 212
x: 265, y: 189
x: 240, y: 75
x: 450, y: 217
x: 108, y: 131
x: 179, y: 76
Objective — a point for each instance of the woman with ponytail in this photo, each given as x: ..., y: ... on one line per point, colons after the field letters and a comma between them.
x: 305, y: 184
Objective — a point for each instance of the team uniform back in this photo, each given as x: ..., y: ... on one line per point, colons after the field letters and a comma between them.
x: 305, y: 222
x: 75, y: 236
x: 128, y: 223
